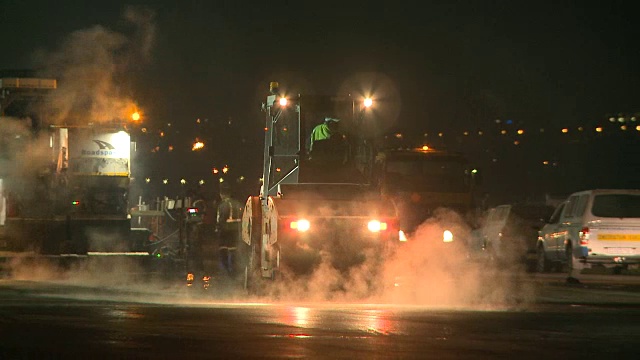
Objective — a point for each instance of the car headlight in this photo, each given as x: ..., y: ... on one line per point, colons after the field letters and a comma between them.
x: 376, y: 226
x: 301, y: 225
x: 447, y: 236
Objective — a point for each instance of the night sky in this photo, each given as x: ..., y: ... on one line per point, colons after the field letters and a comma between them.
x: 447, y: 66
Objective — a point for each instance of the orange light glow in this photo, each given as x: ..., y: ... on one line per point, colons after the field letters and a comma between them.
x: 225, y: 169
x: 135, y: 116
x: 599, y: 129
x: 198, y: 145
x: 565, y: 130
x: 425, y: 147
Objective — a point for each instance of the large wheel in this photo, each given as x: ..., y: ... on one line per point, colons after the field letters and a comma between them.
x: 251, y: 238
x: 542, y: 263
x: 251, y: 274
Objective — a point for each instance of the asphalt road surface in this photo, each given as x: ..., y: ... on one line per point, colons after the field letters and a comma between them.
x: 86, y: 318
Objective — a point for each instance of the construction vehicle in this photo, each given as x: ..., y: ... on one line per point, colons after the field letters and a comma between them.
x: 421, y: 181
x: 64, y: 188
x: 316, y: 206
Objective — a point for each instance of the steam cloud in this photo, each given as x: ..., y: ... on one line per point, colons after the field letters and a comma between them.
x: 95, y: 68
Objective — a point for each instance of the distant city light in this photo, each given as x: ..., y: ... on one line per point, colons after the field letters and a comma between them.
x: 165, y: 181
x: 183, y: 181
x: 520, y: 132
x: 623, y: 127
x: 503, y: 132
x: 225, y: 169
x: 565, y: 130
x: 197, y: 145
x: 135, y: 116
x: 599, y: 129
x: 201, y: 182
x: 147, y: 180
x: 466, y: 133
x: 221, y: 180
x: 215, y: 170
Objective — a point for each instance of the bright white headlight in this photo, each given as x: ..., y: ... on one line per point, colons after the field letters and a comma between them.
x: 376, y: 226
x: 301, y: 225
x: 447, y: 236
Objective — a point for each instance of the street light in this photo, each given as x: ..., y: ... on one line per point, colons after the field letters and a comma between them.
x: 135, y: 116
x: 368, y: 102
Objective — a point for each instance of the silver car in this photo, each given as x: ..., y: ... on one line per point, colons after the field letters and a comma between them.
x: 592, y: 227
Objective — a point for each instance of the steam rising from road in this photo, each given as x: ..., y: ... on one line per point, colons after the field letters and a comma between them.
x: 422, y: 272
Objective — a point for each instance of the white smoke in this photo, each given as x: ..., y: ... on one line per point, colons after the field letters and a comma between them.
x: 95, y: 69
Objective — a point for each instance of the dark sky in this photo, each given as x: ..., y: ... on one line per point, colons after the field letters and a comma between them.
x: 449, y: 60
x: 448, y: 65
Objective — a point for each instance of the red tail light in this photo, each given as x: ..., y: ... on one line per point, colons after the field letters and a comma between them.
x: 584, y: 236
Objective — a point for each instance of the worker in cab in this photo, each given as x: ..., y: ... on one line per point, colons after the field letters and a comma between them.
x: 325, y: 131
x: 328, y: 145
x: 229, y: 221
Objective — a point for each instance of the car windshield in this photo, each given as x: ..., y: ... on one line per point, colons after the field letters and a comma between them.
x: 616, y: 206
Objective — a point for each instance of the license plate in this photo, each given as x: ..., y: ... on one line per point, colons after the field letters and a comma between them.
x: 619, y: 237
x: 620, y: 251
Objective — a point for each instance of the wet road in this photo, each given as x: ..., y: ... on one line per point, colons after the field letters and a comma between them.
x: 62, y: 320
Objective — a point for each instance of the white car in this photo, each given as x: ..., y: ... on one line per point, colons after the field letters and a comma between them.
x: 592, y: 227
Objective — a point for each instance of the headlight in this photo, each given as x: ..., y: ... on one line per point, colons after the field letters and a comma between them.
x: 301, y: 225
x: 376, y: 226
x: 447, y: 236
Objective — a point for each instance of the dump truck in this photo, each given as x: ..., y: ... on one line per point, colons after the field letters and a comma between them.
x: 63, y: 187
